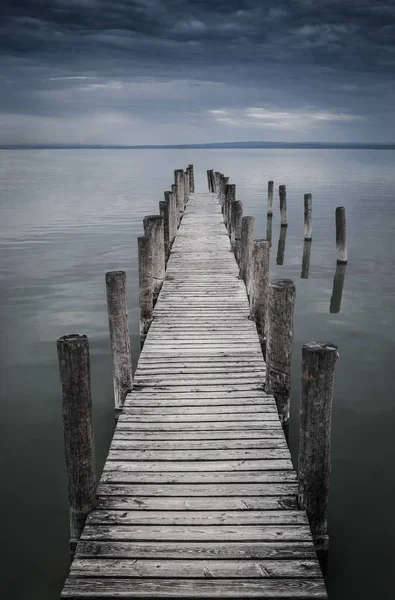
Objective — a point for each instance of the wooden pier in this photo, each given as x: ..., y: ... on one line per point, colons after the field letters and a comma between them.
x: 198, y: 496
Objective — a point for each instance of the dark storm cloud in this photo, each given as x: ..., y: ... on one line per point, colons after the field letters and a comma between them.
x: 325, y: 61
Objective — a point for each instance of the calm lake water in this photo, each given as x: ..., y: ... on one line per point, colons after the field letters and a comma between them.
x: 68, y: 216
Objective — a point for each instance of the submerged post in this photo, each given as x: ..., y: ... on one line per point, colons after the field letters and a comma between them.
x: 341, y: 241
x: 246, y: 245
x: 119, y: 336
x: 146, y: 286
x: 75, y: 379
x: 179, y: 182
x: 191, y: 172
x: 270, y: 187
x: 308, y: 222
x: 237, y: 216
x: 279, y: 345
x: 314, y: 464
x: 283, y: 205
x: 154, y: 230
x: 260, y: 287
x: 164, y: 213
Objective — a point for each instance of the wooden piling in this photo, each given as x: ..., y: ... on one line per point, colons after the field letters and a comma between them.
x: 119, y: 336
x: 210, y: 180
x: 216, y: 183
x: 314, y: 464
x: 230, y: 198
x: 308, y: 220
x: 281, y: 246
x: 186, y: 187
x: 337, y: 290
x: 154, y: 230
x: 146, y: 286
x: 170, y: 200
x: 260, y: 288
x: 75, y: 379
x: 237, y: 216
x: 270, y: 189
x: 191, y: 179
x: 269, y: 229
x: 179, y: 182
x: 341, y: 240
x: 279, y: 345
x: 306, y: 259
x: 246, y: 245
x: 283, y: 204
x: 164, y: 213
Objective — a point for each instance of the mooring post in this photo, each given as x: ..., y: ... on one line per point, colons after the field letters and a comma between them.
x: 282, y: 190
x: 314, y: 464
x: 279, y: 345
x: 230, y: 192
x: 171, y: 203
x: 210, y: 180
x: 154, y: 230
x: 224, y: 183
x: 146, y: 286
x: 119, y: 337
x: 216, y: 183
x: 179, y: 181
x: 270, y: 188
x: 308, y: 220
x: 237, y: 216
x: 191, y: 179
x: 260, y: 288
x: 341, y: 240
x: 164, y: 213
x: 186, y: 187
x: 246, y: 245
x: 75, y: 379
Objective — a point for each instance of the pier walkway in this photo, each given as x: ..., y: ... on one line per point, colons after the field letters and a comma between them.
x: 198, y: 496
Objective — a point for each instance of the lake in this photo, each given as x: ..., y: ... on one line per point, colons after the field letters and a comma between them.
x: 68, y: 216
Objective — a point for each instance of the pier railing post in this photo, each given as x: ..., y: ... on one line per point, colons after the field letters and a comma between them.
x: 164, y: 213
x: 154, y: 230
x: 119, y: 336
x: 283, y: 205
x: 230, y: 195
x: 216, y: 183
x: 246, y: 245
x: 260, y: 288
x: 270, y: 188
x: 308, y: 221
x: 146, y: 286
x: 279, y: 345
x: 341, y: 240
x: 170, y: 200
x: 210, y: 180
x: 179, y: 182
x: 75, y: 379
x: 237, y: 216
x: 191, y: 179
x: 314, y: 464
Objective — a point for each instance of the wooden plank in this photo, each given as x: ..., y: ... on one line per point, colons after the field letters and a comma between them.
x: 265, y: 486
x: 83, y: 567
x: 204, y: 466
x: 196, y: 455
x: 216, y: 477
x: 158, y: 419
x: 120, y: 443
x: 223, y: 435
x: 197, y: 550
x: 246, y: 426
x: 200, y: 411
x: 193, y: 503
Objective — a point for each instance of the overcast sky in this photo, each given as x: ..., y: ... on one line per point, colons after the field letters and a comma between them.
x: 184, y: 71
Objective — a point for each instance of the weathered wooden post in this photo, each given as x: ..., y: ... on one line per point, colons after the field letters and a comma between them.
x: 246, y: 245
x: 224, y: 183
x: 191, y: 179
x: 154, y: 230
x: 170, y: 200
x: 186, y: 187
x: 337, y: 290
x: 306, y: 259
x: 269, y: 229
x: 341, y: 240
x: 216, y: 183
x: 260, y: 288
x: 281, y: 246
x: 270, y: 188
x: 308, y: 221
x: 179, y: 182
x: 164, y: 213
x: 75, y: 379
x: 237, y: 216
x: 314, y: 464
x: 174, y: 191
x: 283, y: 204
x: 210, y: 180
x: 119, y: 337
x: 146, y: 286
x: 279, y: 345
x: 230, y: 198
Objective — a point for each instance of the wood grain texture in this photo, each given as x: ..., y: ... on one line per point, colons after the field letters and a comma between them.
x: 198, y: 496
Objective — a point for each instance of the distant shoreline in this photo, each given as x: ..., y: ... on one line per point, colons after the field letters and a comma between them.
x: 212, y: 146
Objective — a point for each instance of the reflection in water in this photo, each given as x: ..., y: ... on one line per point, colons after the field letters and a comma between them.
x: 306, y: 259
x: 269, y: 226
x: 337, y: 292
x: 281, y: 245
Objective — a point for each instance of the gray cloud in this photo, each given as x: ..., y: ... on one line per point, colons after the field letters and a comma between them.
x: 143, y: 70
